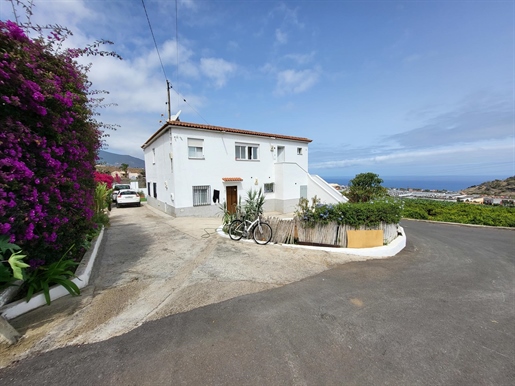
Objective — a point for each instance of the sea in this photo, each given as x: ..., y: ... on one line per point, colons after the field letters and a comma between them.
x: 449, y: 183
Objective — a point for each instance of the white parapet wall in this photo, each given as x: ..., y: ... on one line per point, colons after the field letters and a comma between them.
x: 317, y: 186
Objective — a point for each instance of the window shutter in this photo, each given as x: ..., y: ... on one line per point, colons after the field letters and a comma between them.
x: 193, y: 142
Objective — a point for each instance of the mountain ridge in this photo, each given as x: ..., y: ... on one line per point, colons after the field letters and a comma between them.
x: 494, y: 188
x: 113, y: 159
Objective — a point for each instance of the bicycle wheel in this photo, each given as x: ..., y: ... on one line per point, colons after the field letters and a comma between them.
x: 236, y: 229
x: 262, y: 233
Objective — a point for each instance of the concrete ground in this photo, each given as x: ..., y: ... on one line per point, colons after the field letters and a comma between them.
x: 152, y: 265
x: 441, y: 312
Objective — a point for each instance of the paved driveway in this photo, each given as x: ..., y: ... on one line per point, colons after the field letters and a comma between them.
x: 441, y: 312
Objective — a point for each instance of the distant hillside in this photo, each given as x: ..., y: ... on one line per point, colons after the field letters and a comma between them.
x: 112, y: 159
x: 494, y: 188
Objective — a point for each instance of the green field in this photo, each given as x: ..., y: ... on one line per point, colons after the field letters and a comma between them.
x: 459, y: 212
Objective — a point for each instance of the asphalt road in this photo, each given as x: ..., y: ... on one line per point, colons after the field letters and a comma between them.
x: 442, y: 312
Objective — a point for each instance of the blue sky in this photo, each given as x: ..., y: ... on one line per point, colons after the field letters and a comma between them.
x: 399, y: 88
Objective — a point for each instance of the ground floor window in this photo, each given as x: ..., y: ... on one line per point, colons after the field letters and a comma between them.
x: 201, y: 195
x: 269, y: 187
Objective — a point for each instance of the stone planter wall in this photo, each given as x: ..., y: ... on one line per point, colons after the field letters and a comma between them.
x: 12, y: 310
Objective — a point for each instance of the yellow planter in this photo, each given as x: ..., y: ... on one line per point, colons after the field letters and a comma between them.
x: 364, y: 238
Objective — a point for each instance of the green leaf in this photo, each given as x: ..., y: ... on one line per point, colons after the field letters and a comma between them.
x: 46, y: 291
x: 17, y: 264
x: 5, y: 245
x: 69, y: 285
x: 30, y: 292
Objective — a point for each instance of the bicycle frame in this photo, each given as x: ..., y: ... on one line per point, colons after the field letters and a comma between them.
x: 261, y: 231
x: 248, y: 225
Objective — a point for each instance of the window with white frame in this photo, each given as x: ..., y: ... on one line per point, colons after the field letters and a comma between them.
x: 201, y: 195
x: 246, y: 152
x: 299, y: 151
x: 195, y: 148
x: 268, y: 187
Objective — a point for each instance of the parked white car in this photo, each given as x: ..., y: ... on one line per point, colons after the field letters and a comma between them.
x: 128, y: 197
x: 117, y: 188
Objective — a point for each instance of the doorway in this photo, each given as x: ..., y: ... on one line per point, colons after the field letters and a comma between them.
x: 280, y: 153
x: 231, y: 192
x: 303, y: 191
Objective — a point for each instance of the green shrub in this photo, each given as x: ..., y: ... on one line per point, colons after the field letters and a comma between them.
x: 370, y: 213
x: 459, y: 212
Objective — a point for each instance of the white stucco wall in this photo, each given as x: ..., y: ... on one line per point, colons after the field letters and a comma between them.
x: 174, y: 188
x: 325, y: 192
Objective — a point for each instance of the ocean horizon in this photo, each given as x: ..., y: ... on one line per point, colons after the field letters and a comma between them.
x: 450, y: 183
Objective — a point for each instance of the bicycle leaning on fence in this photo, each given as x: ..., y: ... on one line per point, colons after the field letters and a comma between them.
x: 261, y: 231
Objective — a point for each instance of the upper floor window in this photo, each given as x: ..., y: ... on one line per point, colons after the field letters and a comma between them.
x: 195, y: 148
x: 246, y: 152
x: 299, y: 151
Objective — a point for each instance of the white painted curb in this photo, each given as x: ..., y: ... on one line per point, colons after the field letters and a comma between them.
x: 397, y: 245
x: 83, y: 273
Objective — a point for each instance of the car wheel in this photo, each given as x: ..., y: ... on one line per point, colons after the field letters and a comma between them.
x: 117, y: 205
x: 139, y: 204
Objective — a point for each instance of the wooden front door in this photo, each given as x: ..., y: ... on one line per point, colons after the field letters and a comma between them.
x: 231, y: 193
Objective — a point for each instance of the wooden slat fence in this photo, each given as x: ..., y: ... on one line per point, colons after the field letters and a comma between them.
x: 283, y: 230
x: 286, y: 230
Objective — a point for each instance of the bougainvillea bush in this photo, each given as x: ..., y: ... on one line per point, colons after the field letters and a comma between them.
x: 104, y: 178
x: 48, y: 145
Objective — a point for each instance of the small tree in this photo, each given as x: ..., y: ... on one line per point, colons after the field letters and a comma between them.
x: 254, y: 203
x: 124, y: 168
x: 365, y: 187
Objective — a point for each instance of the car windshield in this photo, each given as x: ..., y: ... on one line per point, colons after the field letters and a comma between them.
x: 127, y: 192
x: 120, y: 187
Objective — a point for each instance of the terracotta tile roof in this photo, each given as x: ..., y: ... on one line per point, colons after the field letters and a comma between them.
x: 231, y: 179
x: 222, y: 130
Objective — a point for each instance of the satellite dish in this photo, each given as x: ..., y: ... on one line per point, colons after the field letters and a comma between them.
x: 176, y: 116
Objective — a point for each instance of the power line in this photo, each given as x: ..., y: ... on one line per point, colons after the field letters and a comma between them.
x: 154, y: 38
x: 191, y: 107
x: 177, y: 43
x: 177, y: 54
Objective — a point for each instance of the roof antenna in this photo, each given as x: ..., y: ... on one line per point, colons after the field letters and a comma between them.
x: 175, y: 117
x: 169, y: 106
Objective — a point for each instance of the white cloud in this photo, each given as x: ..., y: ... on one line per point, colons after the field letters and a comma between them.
x: 295, y: 81
x: 461, y: 154
x: 217, y: 69
x: 189, y: 4
x: 288, y: 15
x: 300, y: 58
x: 66, y: 13
x: 281, y: 37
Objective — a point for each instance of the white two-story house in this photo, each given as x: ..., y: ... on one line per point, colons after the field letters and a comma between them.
x: 191, y: 168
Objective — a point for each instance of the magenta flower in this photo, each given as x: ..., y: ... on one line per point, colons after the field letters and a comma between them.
x: 38, y: 96
x: 48, y: 146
